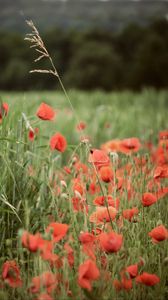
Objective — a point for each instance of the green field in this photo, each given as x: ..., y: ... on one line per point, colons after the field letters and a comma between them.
x: 36, y: 191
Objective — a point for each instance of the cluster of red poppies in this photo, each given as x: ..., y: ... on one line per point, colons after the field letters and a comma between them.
x: 111, y: 193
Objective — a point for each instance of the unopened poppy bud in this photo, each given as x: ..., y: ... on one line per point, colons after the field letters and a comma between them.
x: 63, y: 184
x: 77, y: 194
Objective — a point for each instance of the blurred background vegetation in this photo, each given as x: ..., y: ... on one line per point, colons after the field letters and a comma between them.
x: 104, y: 52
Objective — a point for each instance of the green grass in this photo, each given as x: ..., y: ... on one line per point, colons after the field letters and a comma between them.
x: 30, y: 201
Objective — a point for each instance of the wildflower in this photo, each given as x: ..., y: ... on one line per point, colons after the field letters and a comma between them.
x: 31, y: 242
x: 129, y: 145
x: 148, y: 199
x: 102, y: 214
x: 99, y: 158
x: 58, y: 230
x: 132, y: 270
x: 111, y: 242
x: 130, y: 213
x: 3, y: 110
x: 158, y: 234
x: 87, y: 273
x: 47, y: 280
x: 126, y: 283
x: 58, y: 142
x: 81, y: 126
x: 106, y: 174
x: 45, y: 112
x: 32, y: 134
x: 11, y: 274
x: 44, y: 296
x: 147, y: 279
x: 101, y: 201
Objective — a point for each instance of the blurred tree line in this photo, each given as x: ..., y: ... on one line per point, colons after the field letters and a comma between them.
x: 135, y: 58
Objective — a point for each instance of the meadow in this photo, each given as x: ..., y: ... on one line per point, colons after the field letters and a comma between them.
x: 84, y: 190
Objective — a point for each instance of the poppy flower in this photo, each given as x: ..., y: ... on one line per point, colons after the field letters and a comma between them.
x: 32, y: 134
x: 117, y: 285
x: 99, y: 158
x: 147, y: 279
x: 158, y: 234
x: 102, y: 214
x: 58, y: 142
x: 110, y: 242
x: 102, y: 200
x: 163, y: 135
x: 11, y: 274
x: 87, y: 273
x: 45, y: 112
x: 3, y: 110
x: 44, y: 296
x: 79, y: 204
x: 111, y: 146
x: 81, y: 126
x: 148, y: 199
x: 161, y: 192
x: 129, y: 214
x: 126, y: 283
x: 31, y: 242
x: 132, y: 270
x: 58, y: 230
x: 129, y: 145
x: 86, y: 238
x: 161, y: 172
x: 106, y: 174
x: 47, y: 280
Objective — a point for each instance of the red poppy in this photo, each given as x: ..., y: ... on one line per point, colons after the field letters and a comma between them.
x: 159, y: 234
x: 117, y: 284
x: 126, y: 283
x: 111, y: 146
x: 81, y: 126
x: 87, y: 273
x: 147, y: 279
x: 58, y: 142
x: 101, y: 201
x: 111, y: 242
x: 31, y: 242
x: 86, y: 238
x: 161, y: 172
x: 106, y: 174
x: 44, y: 296
x: 99, y: 158
x: 11, y: 274
x: 148, y: 199
x: 130, y: 213
x: 102, y: 214
x: 58, y: 230
x: 3, y: 110
x: 132, y: 270
x: 32, y: 134
x: 79, y: 204
x: 45, y: 112
x: 163, y: 135
x: 129, y: 145
x: 47, y: 280
x: 161, y: 192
